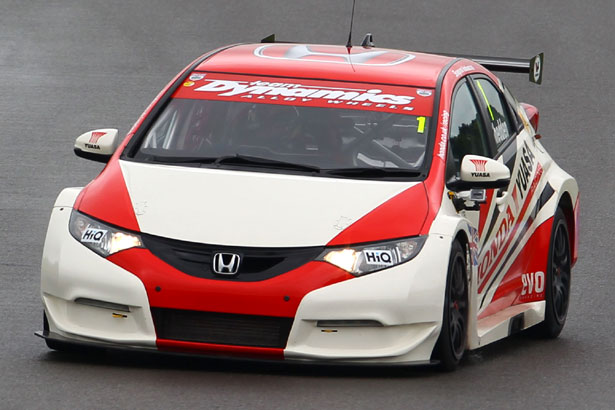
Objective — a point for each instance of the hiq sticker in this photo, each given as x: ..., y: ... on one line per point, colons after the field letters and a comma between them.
x: 92, y: 235
x: 378, y: 257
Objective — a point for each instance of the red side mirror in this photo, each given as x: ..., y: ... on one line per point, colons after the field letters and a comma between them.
x: 532, y: 114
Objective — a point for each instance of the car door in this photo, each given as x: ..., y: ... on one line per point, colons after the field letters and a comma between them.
x: 468, y: 135
x: 500, y: 216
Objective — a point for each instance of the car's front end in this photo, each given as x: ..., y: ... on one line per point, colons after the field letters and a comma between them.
x: 313, y: 299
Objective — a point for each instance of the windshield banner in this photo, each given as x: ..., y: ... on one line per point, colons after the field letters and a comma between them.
x: 303, y: 92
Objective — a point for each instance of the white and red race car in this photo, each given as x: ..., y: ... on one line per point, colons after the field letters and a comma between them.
x: 317, y: 203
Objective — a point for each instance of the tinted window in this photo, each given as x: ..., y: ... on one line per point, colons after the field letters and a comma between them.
x: 327, y: 138
x: 497, y: 114
x: 467, y: 133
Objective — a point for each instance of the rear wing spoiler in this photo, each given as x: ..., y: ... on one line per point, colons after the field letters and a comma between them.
x: 533, y: 66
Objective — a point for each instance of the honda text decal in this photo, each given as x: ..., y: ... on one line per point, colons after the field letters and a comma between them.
x: 315, y: 93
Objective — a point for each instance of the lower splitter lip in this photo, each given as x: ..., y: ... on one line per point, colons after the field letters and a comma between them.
x: 47, y: 335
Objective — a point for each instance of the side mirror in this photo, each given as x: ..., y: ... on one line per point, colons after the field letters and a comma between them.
x: 97, y: 145
x: 481, y: 173
x: 532, y: 114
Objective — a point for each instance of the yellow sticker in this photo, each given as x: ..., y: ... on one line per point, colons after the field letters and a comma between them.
x: 421, y: 126
x: 486, y: 100
x: 188, y: 83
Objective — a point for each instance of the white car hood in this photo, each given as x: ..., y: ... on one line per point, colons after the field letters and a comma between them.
x: 239, y: 208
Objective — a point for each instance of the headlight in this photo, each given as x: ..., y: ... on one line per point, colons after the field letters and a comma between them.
x: 363, y: 259
x: 99, y: 237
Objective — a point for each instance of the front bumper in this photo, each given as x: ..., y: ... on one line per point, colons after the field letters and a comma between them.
x: 405, y: 302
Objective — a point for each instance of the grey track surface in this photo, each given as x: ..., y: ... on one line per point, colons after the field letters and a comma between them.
x: 70, y: 66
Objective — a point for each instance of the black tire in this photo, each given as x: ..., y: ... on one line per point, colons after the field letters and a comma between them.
x: 451, y: 343
x: 557, y: 289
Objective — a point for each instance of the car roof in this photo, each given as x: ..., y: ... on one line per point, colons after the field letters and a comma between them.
x: 329, y: 62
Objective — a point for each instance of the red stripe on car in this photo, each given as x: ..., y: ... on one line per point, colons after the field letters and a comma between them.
x: 401, y: 216
x: 107, y: 199
x: 279, y: 296
x: 510, y: 238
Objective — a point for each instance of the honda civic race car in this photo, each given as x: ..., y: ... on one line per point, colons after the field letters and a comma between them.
x: 317, y: 203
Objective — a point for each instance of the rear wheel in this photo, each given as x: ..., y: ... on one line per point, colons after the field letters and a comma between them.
x: 452, y: 341
x: 557, y: 293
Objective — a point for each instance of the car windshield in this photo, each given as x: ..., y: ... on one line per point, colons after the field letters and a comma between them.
x: 347, y: 142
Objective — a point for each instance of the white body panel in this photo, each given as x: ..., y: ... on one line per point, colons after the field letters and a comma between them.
x: 70, y: 271
x: 407, y: 300
x: 268, y: 210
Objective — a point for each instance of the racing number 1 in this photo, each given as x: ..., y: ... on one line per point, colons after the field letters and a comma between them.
x: 421, y: 126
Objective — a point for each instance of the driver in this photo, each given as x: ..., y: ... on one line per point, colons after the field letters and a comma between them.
x: 320, y: 133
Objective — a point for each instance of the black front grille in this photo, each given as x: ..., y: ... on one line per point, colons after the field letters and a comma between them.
x: 195, y: 259
x: 221, y: 328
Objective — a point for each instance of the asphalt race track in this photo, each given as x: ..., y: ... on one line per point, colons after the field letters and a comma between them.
x: 67, y: 67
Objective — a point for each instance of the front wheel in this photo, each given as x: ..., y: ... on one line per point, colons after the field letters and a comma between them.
x: 451, y: 344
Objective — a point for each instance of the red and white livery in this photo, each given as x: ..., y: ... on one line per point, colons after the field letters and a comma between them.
x: 316, y: 203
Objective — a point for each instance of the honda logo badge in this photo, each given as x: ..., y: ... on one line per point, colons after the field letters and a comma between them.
x: 226, y: 263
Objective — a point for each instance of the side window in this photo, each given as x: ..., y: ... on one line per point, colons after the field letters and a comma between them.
x: 512, y: 105
x: 467, y: 132
x: 503, y: 127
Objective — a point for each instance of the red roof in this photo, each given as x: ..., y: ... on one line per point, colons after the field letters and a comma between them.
x: 366, y: 65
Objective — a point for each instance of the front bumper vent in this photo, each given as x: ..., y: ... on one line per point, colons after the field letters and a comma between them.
x: 221, y: 328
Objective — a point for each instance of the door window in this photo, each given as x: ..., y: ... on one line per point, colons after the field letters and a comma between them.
x: 467, y: 132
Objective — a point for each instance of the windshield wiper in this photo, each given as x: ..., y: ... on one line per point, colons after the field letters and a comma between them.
x: 249, y: 160
x: 373, y: 172
x: 183, y: 159
x: 238, y: 159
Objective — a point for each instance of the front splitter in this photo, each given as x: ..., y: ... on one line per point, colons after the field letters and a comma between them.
x: 47, y: 335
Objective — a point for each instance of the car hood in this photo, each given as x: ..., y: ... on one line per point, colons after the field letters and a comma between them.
x: 238, y: 208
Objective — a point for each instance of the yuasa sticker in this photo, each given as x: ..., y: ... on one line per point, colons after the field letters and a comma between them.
x: 479, y: 166
x: 378, y: 257
x: 96, y: 135
x: 92, y: 235
x: 188, y: 83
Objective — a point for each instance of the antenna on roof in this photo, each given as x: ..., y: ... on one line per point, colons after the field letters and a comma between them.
x: 349, y: 43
